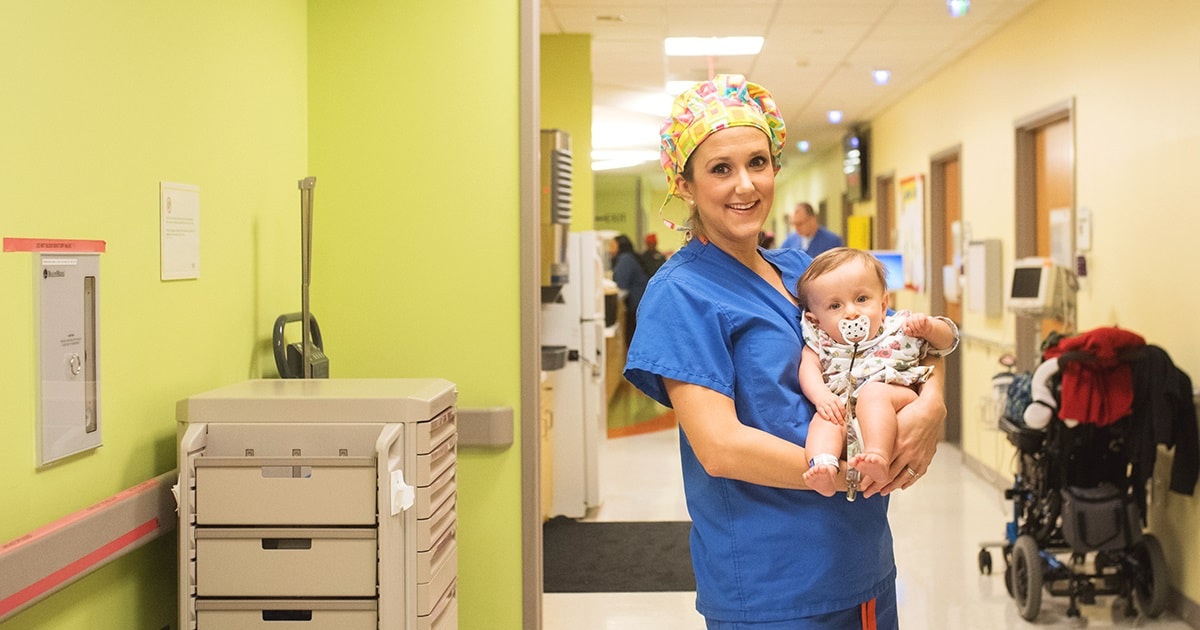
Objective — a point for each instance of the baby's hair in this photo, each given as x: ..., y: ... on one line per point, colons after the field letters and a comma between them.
x: 832, y: 259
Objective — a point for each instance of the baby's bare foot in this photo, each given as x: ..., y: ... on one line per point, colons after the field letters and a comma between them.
x: 873, y: 465
x: 822, y: 478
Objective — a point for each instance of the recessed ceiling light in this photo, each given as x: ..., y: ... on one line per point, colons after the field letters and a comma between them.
x: 958, y: 8
x: 804, y: 146
x: 712, y: 46
x: 835, y: 116
x: 881, y: 76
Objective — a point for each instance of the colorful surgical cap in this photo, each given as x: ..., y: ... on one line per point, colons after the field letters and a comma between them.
x: 728, y: 100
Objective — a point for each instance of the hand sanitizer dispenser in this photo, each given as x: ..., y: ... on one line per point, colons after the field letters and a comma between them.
x: 68, y: 329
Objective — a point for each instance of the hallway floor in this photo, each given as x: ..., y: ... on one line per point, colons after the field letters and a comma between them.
x: 938, y: 526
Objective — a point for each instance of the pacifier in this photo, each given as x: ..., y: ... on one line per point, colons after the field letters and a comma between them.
x: 855, y: 330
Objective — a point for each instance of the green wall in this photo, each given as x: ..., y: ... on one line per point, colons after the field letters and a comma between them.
x: 102, y: 101
x: 566, y: 104
x: 414, y: 144
x: 411, y: 130
x: 618, y: 205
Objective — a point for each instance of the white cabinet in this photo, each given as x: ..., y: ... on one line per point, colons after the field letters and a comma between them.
x: 319, y: 504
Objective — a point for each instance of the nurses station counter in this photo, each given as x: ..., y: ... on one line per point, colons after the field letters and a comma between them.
x: 319, y: 504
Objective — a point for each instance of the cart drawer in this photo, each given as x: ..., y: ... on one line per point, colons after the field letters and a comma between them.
x: 429, y: 563
x: 286, y: 615
x: 432, y: 529
x: 444, y: 615
x: 431, y: 595
x: 285, y: 491
x: 431, y: 497
x: 431, y: 465
x: 433, y: 432
x: 285, y: 562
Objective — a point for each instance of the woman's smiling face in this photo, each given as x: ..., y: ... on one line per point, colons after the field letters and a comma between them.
x: 733, y: 185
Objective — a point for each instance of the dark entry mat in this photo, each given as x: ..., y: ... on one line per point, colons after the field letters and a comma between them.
x: 625, y: 557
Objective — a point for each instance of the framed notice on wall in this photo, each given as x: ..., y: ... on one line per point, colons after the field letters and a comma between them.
x: 910, y: 231
x: 179, y: 210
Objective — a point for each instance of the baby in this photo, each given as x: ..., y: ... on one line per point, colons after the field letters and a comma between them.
x: 854, y: 349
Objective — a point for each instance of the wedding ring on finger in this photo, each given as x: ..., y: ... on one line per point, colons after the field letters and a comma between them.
x: 911, y: 472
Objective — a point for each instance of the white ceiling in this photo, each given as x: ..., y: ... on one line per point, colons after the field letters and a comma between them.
x: 818, y: 56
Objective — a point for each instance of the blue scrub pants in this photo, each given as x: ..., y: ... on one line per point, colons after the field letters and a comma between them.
x: 877, y: 614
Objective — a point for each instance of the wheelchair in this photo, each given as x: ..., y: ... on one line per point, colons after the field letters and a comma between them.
x: 1078, y: 514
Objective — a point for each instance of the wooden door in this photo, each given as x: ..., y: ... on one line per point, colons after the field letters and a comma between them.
x: 885, y: 213
x: 1053, y: 189
x: 945, y: 214
x: 1045, y: 181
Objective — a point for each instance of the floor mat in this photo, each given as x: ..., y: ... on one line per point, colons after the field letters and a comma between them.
x: 626, y: 557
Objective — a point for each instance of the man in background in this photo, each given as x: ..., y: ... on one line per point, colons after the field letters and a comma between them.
x: 652, y: 259
x: 809, y: 234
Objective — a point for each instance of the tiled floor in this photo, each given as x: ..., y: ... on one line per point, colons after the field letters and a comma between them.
x: 938, y: 526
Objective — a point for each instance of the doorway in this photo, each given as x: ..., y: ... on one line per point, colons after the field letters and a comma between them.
x: 882, y: 234
x: 1045, y: 152
x: 946, y: 254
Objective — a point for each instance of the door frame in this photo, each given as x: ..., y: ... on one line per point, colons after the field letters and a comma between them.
x: 937, y: 295
x: 1027, y: 331
x: 531, y: 311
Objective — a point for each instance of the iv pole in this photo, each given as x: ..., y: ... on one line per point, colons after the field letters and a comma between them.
x: 306, y: 186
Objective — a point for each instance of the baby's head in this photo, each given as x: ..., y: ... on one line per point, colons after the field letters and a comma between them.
x: 844, y: 284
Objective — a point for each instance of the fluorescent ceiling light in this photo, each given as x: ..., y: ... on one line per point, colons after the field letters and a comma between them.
x: 881, y: 76
x: 607, y: 160
x: 641, y: 155
x: 804, y: 146
x: 617, y: 135
x: 835, y: 116
x: 712, y: 46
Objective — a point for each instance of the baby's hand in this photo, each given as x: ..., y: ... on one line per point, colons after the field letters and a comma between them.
x: 830, y: 408
x: 918, y: 325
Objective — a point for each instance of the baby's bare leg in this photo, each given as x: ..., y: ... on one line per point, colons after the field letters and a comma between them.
x: 876, y: 412
x: 824, y: 438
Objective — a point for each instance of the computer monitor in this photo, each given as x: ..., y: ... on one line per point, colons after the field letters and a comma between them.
x: 1034, y: 289
x: 893, y: 262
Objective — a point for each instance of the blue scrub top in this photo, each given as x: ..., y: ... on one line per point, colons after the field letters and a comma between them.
x: 759, y: 553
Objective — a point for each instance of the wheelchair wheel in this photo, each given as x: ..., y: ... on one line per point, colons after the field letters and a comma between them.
x: 1150, y: 579
x: 1026, y: 577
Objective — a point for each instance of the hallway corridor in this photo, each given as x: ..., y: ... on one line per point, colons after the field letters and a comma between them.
x: 938, y: 526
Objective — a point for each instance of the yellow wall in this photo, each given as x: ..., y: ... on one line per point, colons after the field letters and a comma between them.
x: 820, y: 180
x: 102, y: 101
x: 1137, y: 139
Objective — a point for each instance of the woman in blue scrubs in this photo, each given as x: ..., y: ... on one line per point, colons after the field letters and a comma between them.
x: 719, y: 341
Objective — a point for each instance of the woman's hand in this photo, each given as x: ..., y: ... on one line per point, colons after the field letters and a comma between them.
x: 920, y: 427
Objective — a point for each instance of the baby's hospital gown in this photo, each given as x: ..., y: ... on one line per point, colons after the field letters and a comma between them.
x: 891, y: 356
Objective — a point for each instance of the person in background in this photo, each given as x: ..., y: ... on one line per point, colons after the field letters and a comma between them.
x: 630, y: 278
x: 766, y: 240
x: 719, y: 341
x: 809, y: 234
x: 652, y: 259
x: 855, y: 349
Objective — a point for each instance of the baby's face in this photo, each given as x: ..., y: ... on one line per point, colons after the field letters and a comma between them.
x: 845, y: 293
